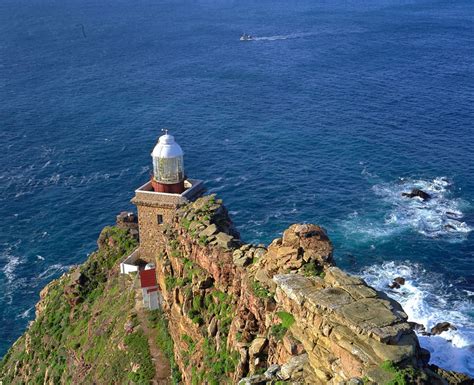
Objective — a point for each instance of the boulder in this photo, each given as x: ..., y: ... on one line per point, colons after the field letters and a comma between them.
x: 453, y: 378
x: 224, y: 240
x: 420, y: 328
x: 399, y: 280
x: 294, y: 365
x: 241, y: 258
x: 271, y: 372
x: 424, y: 356
x: 212, y: 328
x: 442, y: 327
x: 253, y: 380
x: 417, y: 193
x: 355, y: 381
x: 257, y: 346
x: 208, y: 231
x: 127, y: 220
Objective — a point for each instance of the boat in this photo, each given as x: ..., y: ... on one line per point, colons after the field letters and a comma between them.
x: 246, y: 37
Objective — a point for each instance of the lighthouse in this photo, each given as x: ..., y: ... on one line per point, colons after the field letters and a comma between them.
x: 168, y: 165
x: 158, y: 199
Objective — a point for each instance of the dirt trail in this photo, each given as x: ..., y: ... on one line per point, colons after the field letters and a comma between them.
x: 162, y: 366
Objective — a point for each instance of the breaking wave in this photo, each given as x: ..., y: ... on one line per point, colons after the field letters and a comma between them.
x: 427, y: 301
x: 437, y: 217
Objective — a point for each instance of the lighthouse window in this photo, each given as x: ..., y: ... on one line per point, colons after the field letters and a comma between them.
x: 168, y: 170
x: 159, y: 219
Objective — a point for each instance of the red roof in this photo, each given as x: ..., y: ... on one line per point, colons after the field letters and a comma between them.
x: 148, y: 278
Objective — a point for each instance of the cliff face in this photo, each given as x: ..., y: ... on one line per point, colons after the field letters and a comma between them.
x: 288, y: 314
x: 235, y: 313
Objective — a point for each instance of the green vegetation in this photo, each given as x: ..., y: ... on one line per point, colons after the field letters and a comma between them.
x: 279, y: 331
x: 185, y: 223
x: 81, y: 325
x: 138, y: 348
x: 217, y: 365
x: 401, y: 376
x: 203, y: 241
x: 170, y: 282
x: 195, y: 311
x: 312, y: 270
x: 219, y: 305
x: 259, y: 290
x: 287, y: 320
x: 164, y: 341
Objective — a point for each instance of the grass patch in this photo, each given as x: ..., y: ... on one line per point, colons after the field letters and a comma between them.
x: 312, y: 270
x: 260, y: 291
x: 405, y: 376
x: 139, y: 351
x: 165, y: 343
x: 287, y: 320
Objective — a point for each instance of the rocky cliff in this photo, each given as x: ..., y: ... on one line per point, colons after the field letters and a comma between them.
x: 233, y: 313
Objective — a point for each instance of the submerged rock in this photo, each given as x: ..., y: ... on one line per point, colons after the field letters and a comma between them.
x: 442, y: 327
x: 397, y: 282
x: 417, y: 193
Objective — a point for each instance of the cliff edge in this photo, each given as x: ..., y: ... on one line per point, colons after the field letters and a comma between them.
x: 232, y: 313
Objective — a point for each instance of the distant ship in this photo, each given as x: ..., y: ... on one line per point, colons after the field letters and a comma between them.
x: 246, y: 37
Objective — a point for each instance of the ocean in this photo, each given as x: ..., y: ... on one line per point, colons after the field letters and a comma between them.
x: 334, y: 110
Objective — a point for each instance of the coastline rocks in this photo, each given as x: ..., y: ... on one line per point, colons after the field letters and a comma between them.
x: 417, y: 193
x: 304, y: 249
x: 441, y: 327
x: 452, y: 378
x: 420, y: 328
x: 397, y: 283
x: 128, y: 221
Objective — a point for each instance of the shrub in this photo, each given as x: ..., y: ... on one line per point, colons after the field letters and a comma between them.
x: 401, y: 376
x: 278, y: 331
x: 286, y: 319
x: 259, y: 290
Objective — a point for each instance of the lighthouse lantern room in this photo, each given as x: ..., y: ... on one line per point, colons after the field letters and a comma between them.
x: 168, y: 166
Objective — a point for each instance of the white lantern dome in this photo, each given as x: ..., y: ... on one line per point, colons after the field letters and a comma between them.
x: 168, y: 164
x: 167, y: 147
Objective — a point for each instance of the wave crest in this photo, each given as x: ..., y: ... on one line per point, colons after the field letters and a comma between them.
x: 437, y: 217
x: 427, y: 301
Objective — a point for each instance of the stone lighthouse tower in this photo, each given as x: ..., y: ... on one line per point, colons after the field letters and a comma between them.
x: 158, y: 199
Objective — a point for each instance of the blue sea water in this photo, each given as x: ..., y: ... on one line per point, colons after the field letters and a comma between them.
x: 327, y: 117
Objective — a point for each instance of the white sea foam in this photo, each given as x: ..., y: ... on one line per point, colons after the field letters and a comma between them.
x: 9, y: 269
x: 427, y: 301
x: 53, y: 270
x: 437, y: 217
x: 10, y: 262
x: 26, y: 313
x: 283, y: 37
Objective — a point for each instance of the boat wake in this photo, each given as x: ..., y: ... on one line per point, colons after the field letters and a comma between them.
x: 427, y: 301
x: 282, y: 37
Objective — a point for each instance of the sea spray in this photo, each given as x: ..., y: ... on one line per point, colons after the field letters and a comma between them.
x: 427, y: 301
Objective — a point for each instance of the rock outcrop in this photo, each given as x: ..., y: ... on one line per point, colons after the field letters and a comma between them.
x: 235, y: 313
x: 418, y: 193
x: 279, y: 313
